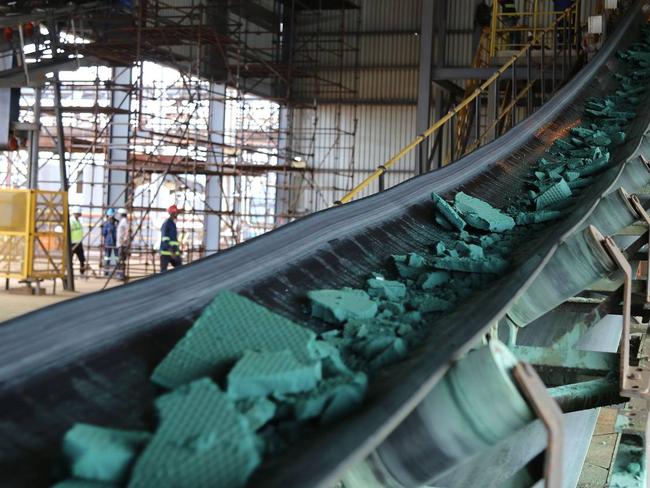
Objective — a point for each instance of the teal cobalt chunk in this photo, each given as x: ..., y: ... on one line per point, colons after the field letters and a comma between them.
x: 258, y: 411
x: 490, y: 264
x: 259, y: 374
x: 482, y: 215
x: 525, y: 218
x: 230, y: 325
x: 337, y: 306
x: 77, y: 483
x: 448, y: 212
x: 333, y: 399
x: 102, y: 454
x: 382, y: 288
x: 427, y: 281
x: 201, y: 441
x: 558, y: 192
x: 409, y: 265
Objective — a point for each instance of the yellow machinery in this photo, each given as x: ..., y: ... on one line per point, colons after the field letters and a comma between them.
x: 33, y: 234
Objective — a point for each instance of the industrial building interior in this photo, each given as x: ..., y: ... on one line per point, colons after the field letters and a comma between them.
x: 324, y: 243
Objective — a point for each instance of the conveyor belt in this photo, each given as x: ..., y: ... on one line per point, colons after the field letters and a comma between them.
x: 89, y: 359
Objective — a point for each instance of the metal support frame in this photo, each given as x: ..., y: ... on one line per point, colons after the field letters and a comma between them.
x: 423, y: 110
x: 635, y: 381
x: 551, y: 416
x: 213, y: 187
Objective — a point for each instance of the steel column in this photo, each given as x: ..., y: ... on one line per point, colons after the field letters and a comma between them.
x: 213, y: 190
x: 423, y: 110
x: 63, y: 172
x: 118, y: 145
x: 32, y: 181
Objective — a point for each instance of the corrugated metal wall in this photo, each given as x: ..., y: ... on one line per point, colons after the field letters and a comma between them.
x: 389, y: 52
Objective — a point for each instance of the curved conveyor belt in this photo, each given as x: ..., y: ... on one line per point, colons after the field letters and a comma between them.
x: 89, y: 359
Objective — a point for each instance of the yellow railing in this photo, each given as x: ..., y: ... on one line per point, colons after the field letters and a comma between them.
x: 482, y: 88
x: 33, y: 230
x: 506, y: 27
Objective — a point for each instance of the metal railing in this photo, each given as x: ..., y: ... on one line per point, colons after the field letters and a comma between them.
x: 535, y: 85
x: 511, y: 30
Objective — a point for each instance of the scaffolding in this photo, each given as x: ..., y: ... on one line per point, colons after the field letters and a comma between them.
x: 226, y: 109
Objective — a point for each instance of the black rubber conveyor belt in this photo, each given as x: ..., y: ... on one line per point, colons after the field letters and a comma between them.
x: 89, y: 359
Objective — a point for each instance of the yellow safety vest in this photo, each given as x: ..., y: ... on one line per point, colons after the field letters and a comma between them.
x: 76, y: 231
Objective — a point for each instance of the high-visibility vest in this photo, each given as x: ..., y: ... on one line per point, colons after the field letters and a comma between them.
x: 76, y: 231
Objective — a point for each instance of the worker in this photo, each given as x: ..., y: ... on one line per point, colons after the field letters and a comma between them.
x: 123, y: 242
x: 76, y: 238
x: 110, y: 238
x: 510, y: 22
x: 170, y: 252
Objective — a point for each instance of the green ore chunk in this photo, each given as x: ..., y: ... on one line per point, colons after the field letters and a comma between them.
x: 390, y: 290
x: 488, y: 265
x: 102, y: 454
x: 259, y: 374
x: 558, y: 192
x: 337, y: 306
x: 482, y: 215
x: 228, y: 327
x: 448, y: 212
x: 201, y: 441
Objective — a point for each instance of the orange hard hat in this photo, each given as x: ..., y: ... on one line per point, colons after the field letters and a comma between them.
x: 172, y: 209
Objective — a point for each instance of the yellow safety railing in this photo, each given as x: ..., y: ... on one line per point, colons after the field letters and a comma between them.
x: 508, y: 28
x: 482, y: 88
x: 33, y: 230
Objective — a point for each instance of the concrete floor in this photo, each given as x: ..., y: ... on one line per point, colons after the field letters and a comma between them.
x: 14, y: 303
x: 601, y: 451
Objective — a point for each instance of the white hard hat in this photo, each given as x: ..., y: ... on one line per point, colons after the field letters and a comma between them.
x: 75, y: 210
x: 121, y: 211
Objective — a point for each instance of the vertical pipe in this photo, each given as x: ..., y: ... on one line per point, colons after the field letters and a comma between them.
x: 564, y: 60
x: 452, y: 141
x: 32, y: 180
x: 554, y: 70
x: 529, y: 95
x: 542, y: 67
x: 477, y: 114
x: 513, y: 109
x: 60, y: 145
x: 494, y: 99
x: 423, y: 110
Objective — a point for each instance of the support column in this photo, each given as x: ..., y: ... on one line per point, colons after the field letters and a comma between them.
x: 118, y: 152
x: 422, y: 117
x: 283, y: 178
x: 216, y: 125
x: 34, y: 135
x: 63, y: 172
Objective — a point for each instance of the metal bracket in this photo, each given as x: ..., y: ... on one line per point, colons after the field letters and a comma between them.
x: 551, y: 416
x: 634, y: 380
x: 638, y: 208
x: 645, y: 161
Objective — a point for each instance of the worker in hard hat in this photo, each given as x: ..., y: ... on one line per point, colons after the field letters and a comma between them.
x: 76, y: 238
x: 170, y: 252
x: 109, y: 235
x: 123, y: 242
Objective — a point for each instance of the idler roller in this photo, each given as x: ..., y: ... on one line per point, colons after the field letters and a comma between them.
x: 475, y: 406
